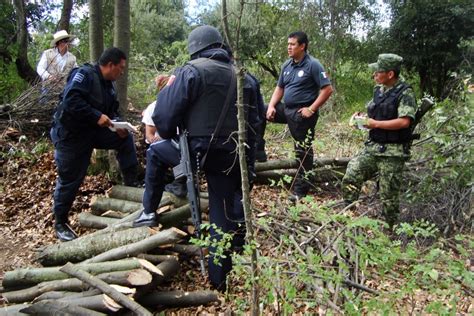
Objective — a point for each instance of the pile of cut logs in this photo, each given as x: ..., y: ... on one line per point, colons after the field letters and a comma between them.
x: 119, y: 266
x: 116, y: 267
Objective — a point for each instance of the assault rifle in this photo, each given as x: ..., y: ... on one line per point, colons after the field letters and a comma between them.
x: 184, y: 169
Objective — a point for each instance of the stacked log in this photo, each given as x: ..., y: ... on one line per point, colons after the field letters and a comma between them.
x: 116, y: 267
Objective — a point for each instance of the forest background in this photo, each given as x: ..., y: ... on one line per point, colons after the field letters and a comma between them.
x: 434, y: 37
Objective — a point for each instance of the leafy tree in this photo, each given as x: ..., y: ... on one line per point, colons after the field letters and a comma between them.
x: 431, y: 35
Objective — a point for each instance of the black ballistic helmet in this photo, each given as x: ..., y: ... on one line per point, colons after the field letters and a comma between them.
x: 202, y: 37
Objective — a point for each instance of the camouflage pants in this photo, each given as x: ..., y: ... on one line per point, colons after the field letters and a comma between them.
x: 364, y: 167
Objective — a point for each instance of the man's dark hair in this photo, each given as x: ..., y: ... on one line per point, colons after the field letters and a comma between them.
x: 112, y: 54
x: 301, y: 38
x: 396, y: 72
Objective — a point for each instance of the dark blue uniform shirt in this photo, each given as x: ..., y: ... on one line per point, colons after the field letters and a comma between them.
x: 78, y: 108
x: 302, y: 81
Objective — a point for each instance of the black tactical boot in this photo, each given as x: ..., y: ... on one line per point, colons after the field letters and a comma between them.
x: 64, y: 232
x: 146, y: 219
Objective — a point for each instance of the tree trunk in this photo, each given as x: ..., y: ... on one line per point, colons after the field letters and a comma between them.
x: 101, y: 204
x: 169, y: 236
x: 96, y: 222
x: 65, y: 15
x: 293, y: 163
x: 96, y: 33
x: 320, y: 175
x: 58, y: 295
x: 132, y: 278
x: 58, y: 308
x: 22, y: 278
x: 122, y: 41
x: 176, y: 216
x: 179, y: 298
x: 25, y: 71
x: 122, y: 192
x: 99, y: 303
x: 86, y: 247
x: 123, y: 300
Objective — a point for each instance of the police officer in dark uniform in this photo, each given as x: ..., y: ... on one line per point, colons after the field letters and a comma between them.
x: 305, y: 87
x: 193, y: 99
x: 81, y: 123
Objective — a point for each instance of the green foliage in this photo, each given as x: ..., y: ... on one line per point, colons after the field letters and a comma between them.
x: 294, y: 275
x: 219, y: 241
x: 431, y: 36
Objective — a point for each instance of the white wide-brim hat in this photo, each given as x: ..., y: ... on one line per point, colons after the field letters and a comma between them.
x: 60, y: 35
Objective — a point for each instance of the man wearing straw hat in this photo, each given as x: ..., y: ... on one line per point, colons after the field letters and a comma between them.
x: 57, y: 62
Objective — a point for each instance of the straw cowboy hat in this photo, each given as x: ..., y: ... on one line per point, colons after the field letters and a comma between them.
x: 60, y: 36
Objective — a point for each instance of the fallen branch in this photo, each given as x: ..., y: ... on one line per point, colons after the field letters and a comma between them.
x: 294, y: 164
x: 123, y: 300
x: 124, y: 278
x: 168, y: 236
x: 26, y: 277
x: 100, y: 204
x: 86, y: 247
x: 48, y: 307
x: 179, y: 298
x: 90, y: 220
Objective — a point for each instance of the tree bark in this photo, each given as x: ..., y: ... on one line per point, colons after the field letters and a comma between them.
x: 155, y: 259
x: 96, y: 33
x: 168, y: 269
x: 122, y: 192
x: 58, y: 295
x: 86, y: 247
x: 320, y: 175
x: 179, y: 298
x: 293, y: 163
x: 188, y: 250
x: 176, y: 216
x: 99, y: 302
x: 25, y: 71
x: 122, y: 41
x: 169, y: 236
x: 101, y: 204
x: 132, y: 278
x: 22, y: 278
x: 65, y: 15
x: 123, y: 300
x: 97, y: 222
x: 58, y: 308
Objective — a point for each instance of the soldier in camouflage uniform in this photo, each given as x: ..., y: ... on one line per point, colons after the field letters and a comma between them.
x: 390, y: 115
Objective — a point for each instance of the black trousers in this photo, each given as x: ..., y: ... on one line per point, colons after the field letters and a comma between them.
x: 302, y: 131
x: 225, y: 197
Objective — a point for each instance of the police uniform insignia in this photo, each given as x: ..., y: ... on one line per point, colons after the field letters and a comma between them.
x: 78, y: 77
x: 323, y: 74
x: 300, y: 73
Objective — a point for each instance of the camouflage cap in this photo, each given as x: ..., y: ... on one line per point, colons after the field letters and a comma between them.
x: 387, y: 62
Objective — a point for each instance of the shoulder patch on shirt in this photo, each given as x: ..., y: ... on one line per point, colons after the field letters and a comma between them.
x: 323, y: 74
x: 78, y: 77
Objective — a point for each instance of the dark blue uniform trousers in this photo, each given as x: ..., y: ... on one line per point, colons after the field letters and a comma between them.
x: 72, y: 155
x: 225, y: 197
